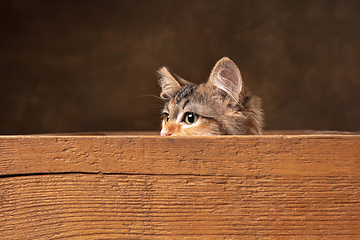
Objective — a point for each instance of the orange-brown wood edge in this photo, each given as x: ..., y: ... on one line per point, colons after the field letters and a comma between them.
x: 135, y: 186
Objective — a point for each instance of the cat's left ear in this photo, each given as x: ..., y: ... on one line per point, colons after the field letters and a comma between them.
x: 226, y: 77
x: 170, y: 83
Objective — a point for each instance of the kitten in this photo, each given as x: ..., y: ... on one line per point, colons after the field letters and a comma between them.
x: 221, y: 106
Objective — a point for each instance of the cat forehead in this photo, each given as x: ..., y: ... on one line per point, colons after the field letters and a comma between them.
x: 192, y: 98
x: 185, y: 92
x: 175, y: 107
x: 182, y: 98
x: 188, y: 94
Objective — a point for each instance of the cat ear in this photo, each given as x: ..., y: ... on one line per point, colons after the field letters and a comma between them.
x: 170, y: 83
x: 226, y: 76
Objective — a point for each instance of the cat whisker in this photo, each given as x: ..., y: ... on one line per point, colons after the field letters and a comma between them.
x: 154, y: 106
x: 150, y: 95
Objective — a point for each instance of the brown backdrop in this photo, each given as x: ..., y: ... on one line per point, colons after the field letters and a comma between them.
x: 70, y: 66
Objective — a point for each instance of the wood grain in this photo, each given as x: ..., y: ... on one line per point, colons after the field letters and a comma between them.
x: 150, y: 187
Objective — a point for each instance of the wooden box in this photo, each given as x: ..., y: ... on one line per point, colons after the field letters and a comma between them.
x: 277, y: 186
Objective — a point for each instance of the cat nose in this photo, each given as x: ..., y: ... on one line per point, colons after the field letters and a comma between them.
x: 165, y: 133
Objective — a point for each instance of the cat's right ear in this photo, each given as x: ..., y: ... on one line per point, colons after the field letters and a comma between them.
x: 226, y: 77
x: 170, y: 83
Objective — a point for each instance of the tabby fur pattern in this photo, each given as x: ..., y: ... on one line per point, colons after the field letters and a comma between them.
x: 220, y: 106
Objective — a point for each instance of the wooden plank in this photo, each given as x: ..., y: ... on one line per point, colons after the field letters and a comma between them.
x: 145, y: 206
x: 315, y: 155
x: 150, y: 187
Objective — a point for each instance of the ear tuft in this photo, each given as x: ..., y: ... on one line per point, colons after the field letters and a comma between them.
x: 170, y: 83
x: 226, y: 77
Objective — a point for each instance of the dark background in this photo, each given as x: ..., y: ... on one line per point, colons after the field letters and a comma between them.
x: 74, y: 66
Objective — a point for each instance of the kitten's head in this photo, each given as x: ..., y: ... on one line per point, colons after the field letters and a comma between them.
x: 220, y: 106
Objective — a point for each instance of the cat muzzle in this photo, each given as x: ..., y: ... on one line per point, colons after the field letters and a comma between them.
x: 165, y: 133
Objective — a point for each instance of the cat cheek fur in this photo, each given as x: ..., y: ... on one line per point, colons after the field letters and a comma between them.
x: 172, y: 128
x: 202, y: 127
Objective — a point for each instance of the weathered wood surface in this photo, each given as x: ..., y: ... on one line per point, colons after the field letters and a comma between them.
x: 231, y: 187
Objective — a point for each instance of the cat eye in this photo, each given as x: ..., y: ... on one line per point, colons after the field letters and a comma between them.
x: 166, y: 117
x: 190, y: 118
